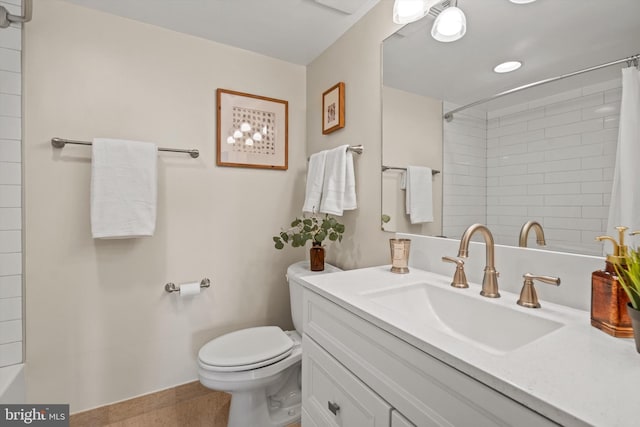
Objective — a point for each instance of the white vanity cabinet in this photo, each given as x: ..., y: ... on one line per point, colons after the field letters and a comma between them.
x: 333, y: 396
x: 377, y: 379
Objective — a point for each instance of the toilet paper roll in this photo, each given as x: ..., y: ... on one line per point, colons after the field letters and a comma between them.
x: 187, y: 289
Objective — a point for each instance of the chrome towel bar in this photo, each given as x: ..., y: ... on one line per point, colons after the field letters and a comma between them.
x: 60, y: 143
x: 386, y: 168
x: 358, y: 149
x: 7, y: 19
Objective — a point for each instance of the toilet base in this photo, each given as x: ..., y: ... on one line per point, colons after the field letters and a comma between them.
x: 276, y: 406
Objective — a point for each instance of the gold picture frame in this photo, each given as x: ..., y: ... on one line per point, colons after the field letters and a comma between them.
x: 252, y: 131
x: 333, y: 109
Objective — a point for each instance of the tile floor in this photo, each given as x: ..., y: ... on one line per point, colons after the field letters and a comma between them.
x: 188, y: 405
x: 184, y: 406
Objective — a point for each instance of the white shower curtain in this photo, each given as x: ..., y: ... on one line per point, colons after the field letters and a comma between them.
x: 625, y: 195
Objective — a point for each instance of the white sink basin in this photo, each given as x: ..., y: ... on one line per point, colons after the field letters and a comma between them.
x: 473, y: 318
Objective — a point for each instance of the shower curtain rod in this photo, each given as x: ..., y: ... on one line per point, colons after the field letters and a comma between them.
x: 449, y: 115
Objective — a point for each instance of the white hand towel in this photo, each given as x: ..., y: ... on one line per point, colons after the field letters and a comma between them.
x: 419, y: 194
x: 123, y: 188
x: 349, y: 200
x: 339, y: 189
x: 315, y: 181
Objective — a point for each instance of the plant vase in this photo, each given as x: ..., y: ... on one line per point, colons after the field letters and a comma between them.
x: 635, y: 323
x: 316, y: 257
x: 315, y: 229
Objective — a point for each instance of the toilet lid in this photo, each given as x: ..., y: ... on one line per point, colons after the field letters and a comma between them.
x: 247, y: 348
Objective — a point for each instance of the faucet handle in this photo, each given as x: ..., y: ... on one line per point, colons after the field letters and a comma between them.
x: 459, y: 277
x: 453, y: 260
x: 528, y: 295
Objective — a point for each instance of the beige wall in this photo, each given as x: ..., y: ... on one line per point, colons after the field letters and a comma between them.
x: 412, y: 135
x: 100, y: 327
x: 355, y: 59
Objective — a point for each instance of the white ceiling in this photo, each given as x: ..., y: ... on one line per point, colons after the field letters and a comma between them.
x: 551, y: 37
x: 295, y: 31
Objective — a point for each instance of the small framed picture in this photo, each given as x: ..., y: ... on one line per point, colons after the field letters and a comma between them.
x: 252, y: 131
x: 333, y: 109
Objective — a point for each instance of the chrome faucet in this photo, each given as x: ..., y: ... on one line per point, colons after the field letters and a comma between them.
x: 524, y: 233
x: 490, y: 280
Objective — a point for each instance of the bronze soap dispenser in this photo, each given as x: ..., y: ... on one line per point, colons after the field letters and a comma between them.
x: 608, y: 298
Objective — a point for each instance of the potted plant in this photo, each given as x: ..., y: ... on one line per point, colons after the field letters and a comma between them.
x: 629, y: 277
x: 315, y: 229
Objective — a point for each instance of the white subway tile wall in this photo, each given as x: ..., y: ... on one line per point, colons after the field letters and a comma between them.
x: 11, y: 325
x: 563, y: 151
x: 549, y: 160
x: 464, y: 200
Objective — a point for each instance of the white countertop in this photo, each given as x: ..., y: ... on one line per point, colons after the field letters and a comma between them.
x: 575, y: 375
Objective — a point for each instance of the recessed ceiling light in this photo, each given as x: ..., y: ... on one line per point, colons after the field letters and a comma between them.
x: 507, y: 67
x: 522, y: 1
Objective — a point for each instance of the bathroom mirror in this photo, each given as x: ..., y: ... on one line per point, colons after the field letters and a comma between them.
x: 545, y: 153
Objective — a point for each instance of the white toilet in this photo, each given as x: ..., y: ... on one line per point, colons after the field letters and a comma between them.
x: 261, y: 366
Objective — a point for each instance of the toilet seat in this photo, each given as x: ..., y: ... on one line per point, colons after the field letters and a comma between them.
x: 246, y: 349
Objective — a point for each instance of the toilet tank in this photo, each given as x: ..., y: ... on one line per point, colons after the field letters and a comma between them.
x: 294, y: 273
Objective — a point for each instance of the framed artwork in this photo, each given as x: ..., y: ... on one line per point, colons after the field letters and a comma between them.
x: 252, y: 131
x: 333, y: 109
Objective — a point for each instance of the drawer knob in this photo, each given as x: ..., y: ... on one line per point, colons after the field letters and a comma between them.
x: 333, y: 407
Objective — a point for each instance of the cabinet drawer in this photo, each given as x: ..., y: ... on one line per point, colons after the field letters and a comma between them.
x: 398, y: 420
x: 333, y: 396
x: 425, y: 390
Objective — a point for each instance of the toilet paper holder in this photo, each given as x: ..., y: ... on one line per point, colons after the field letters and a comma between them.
x: 171, y: 287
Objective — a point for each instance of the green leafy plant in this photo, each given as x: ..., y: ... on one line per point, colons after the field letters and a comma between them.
x: 630, y: 277
x: 313, y: 228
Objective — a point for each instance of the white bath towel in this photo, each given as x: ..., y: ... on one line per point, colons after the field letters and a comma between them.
x: 315, y: 181
x: 339, y: 189
x: 419, y: 194
x: 123, y: 188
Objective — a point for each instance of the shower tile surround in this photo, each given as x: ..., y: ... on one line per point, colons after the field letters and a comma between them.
x: 11, y: 333
x: 464, y: 199
x: 550, y: 160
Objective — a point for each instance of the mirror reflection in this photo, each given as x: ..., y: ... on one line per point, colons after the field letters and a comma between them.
x: 545, y: 154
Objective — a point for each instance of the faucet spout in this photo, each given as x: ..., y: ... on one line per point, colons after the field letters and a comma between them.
x: 524, y: 233
x: 490, y: 280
